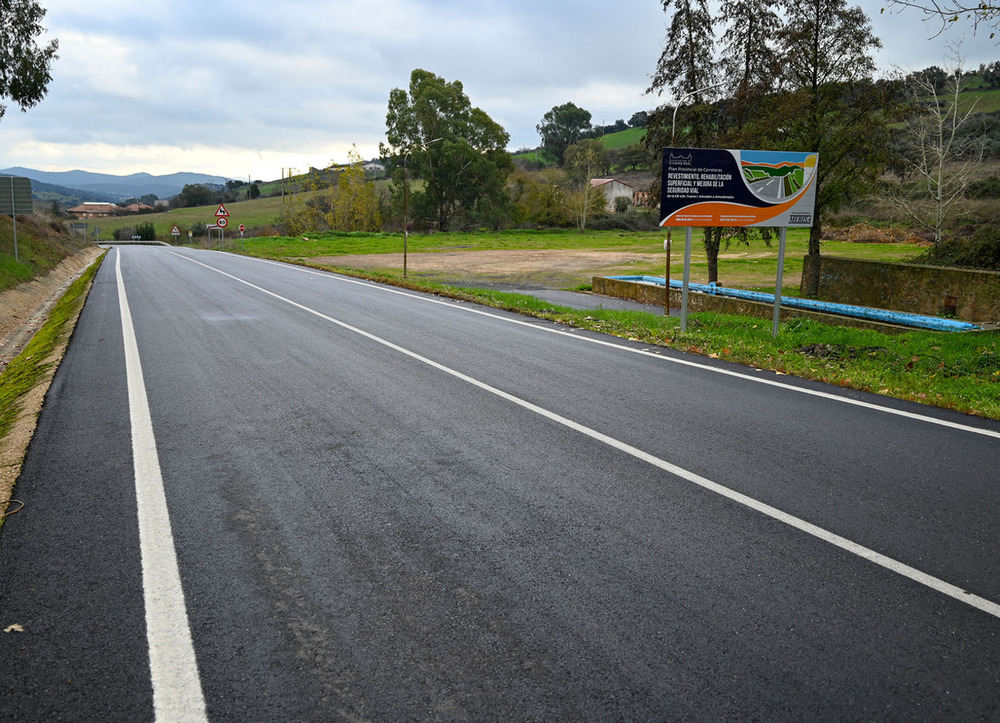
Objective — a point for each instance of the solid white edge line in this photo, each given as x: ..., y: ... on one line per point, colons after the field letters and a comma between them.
x: 177, y: 694
x: 453, y: 304
x: 888, y: 563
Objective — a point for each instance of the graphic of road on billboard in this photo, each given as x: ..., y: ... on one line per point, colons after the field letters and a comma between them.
x: 774, y: 182
x: 721, y: 187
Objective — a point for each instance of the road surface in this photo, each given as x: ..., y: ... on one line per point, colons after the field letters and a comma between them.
x: 261, y: 492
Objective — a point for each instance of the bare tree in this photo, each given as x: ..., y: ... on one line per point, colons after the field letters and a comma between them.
x: 950, y: 12
x: 939, y: 157
x: 585, y: 161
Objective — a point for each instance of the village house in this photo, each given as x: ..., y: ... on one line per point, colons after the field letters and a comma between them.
x: 613, y: 189
x: 94, y: 209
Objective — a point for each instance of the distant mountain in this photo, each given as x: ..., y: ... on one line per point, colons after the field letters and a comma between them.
x: 116, y: 188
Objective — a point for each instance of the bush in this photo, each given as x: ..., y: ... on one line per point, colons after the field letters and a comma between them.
x: 624, y: 222
x: 146, y: 231
x: 981, y: 251
x: 622, y: 204
x: 985, y: 188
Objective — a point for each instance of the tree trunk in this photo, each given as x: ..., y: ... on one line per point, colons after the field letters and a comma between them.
x: 713, y: 241
x: 811, y: 269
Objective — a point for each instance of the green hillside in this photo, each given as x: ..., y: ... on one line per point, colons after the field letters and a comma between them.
x: 611, y: 142
x: 252, y: 214
x: 40, y: 248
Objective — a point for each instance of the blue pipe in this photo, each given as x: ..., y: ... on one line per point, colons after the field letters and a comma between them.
x: 828, y: 307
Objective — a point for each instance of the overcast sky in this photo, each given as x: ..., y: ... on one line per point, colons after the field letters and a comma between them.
x: 243, y: 89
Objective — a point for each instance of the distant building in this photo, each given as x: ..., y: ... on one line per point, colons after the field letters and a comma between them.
x: 138, y: 208
x: 93, y: 209
x: 613, y: 189
x: 374, y: 169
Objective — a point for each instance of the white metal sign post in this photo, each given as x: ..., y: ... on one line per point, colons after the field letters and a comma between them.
x: 720, y: 187
x: 221, y: 220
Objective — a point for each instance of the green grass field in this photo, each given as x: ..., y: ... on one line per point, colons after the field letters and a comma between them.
x: 623, y: 139
x: 752, y: 267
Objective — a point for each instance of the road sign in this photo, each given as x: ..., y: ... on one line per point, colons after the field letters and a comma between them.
x: 242, y: 228
x: 175, y: 232
x: 222, y: 221
x: 15, y: 196
x: 222, y: 212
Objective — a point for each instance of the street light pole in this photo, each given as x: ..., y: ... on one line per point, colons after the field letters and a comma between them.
x: 667, y: 243
x: 406, y: 230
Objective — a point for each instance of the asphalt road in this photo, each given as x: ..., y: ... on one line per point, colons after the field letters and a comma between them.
x: 296, y: 496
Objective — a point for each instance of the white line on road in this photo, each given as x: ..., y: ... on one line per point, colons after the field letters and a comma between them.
x: 177, y: 694
x: 671, y: 359
x: 843, y: 543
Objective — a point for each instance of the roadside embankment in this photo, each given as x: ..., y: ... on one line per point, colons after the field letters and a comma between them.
x: 41, y: 319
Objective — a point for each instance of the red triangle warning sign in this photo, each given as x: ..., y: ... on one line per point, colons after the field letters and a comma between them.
x: 222, y: 211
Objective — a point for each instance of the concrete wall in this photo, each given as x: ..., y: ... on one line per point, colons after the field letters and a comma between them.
x: 931, y: 290
x: 653, y: 294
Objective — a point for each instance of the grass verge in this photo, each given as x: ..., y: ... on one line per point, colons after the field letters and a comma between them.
x: 37, y: 361
x: 959, y: 371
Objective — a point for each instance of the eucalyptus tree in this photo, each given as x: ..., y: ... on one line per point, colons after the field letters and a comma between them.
x: 24, y: 65
x: 688, y: 67
x: 749, y: 58
x: 831, y: 105
x: 562, y: 127
x: 433, y: 132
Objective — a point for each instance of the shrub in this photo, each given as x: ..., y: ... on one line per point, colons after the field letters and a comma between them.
x: 985, y: 188
x: 623, y: 222
x: 146, y: 231
x: 981, y: 251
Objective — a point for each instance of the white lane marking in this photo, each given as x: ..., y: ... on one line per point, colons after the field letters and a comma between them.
x: 177, y: 694
x: 673, y: 360
x: 843, y: 543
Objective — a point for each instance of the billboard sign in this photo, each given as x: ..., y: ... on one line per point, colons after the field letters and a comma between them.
x: 720, y: 187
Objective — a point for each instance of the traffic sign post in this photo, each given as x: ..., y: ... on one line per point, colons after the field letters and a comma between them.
x: 176, y: 233
x: 221, y: 221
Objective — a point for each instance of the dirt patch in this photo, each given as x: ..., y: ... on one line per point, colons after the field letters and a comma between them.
x: 553, y: 269
x: 525, y: 268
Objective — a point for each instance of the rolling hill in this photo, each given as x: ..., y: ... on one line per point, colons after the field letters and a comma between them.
x: 106, y: 187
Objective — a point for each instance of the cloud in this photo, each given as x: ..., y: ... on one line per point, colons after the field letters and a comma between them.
x: 233, y: 88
